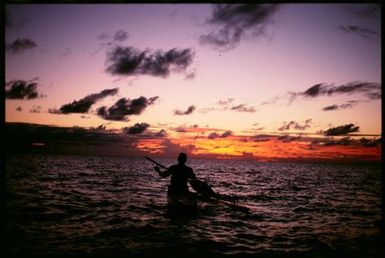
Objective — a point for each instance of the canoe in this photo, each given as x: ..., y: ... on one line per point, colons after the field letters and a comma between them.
x: 189, y: 203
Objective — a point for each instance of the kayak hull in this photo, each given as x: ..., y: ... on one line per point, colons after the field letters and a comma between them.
x: 182, y: 206
x: 182, y: 202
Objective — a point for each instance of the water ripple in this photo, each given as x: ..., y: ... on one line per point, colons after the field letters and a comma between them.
x: 86, y: 205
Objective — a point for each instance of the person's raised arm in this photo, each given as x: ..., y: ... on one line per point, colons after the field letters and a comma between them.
x: 164, y: 173
x: 192, y: 175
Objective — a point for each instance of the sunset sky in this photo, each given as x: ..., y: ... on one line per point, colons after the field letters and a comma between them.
x: 265, y: 82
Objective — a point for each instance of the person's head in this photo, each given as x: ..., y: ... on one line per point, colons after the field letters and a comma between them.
x: 182, y: 158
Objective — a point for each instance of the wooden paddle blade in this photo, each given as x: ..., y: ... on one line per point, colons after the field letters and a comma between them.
x: 202, y: 188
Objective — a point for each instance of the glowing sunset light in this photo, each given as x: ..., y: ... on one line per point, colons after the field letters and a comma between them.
x: 168, y: 78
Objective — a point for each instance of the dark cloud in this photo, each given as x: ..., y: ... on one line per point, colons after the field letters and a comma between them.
x: 295, y: 125
x: 57, y: 111
x: 362, y: 32
x: 21, y: 89
x: 369, y: 142
x: 234, y: 22
x: 128, y: 61
x: 243, y: 108
x: 64, y: 140
x: 333, y: 107
x: 104, y: 36
x: 215, y: 135
x: 364, y: 10
x: 101, y: 127
x: 20, y: 45
x: 341, y: 130
x: 222, y: 105
x: 363, y: 142
x: 371, y: 90
x: 138, y: 128
x: 259, y: 128
x: 343, y: 141
x: 125, y: 107
x: 190, y: 76
x: 35, y: 109
x: 118, y: 36
x: 83, y: 105
x: 225, y: 102
x: 161, y: 133
x: 288, y: 138
x: 189, y: 111
x: 180, y: 129
x: 226, y: 134
x: 66, y: 52
x: 261, y: 138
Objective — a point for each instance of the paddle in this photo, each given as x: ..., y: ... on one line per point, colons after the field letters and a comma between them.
x: 153, y: 161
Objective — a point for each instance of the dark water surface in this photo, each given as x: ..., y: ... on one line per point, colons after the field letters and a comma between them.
x: 91, y: 206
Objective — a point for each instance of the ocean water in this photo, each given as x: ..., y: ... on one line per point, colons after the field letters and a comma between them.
x: 92, y: 206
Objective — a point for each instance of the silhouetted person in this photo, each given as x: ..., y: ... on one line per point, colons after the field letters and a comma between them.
x: 180, y: 173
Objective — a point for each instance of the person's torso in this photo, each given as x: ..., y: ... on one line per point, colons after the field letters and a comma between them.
x: 179, y: 176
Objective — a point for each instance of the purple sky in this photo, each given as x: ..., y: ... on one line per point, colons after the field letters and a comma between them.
x: 302, y: 45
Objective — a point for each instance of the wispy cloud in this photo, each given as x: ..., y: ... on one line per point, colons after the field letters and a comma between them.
x: 161, y: 133
x: 215, y: 135
x: 66, y: 52
x: 260, y: 138
x: 117, y: 36
x: 271, y: 101
x: 234, y: 22
x: 243, y: 108
x: 225, y: 102
x: 362, y: 32
x: 83, y: 105
x: 125, y: 107
x: 180, y: 129
x: 189, y: 111
x: 20, y: 89
x: 347, y: 141
x: 20, y: 45
x: 288, y: 138
x: 295, y: 125
x: 372, y: 90
x: 35, y: 109
x: 368, y: 10
x: 221, y: 105
x: 349, y: 104
x: 128, y: 61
